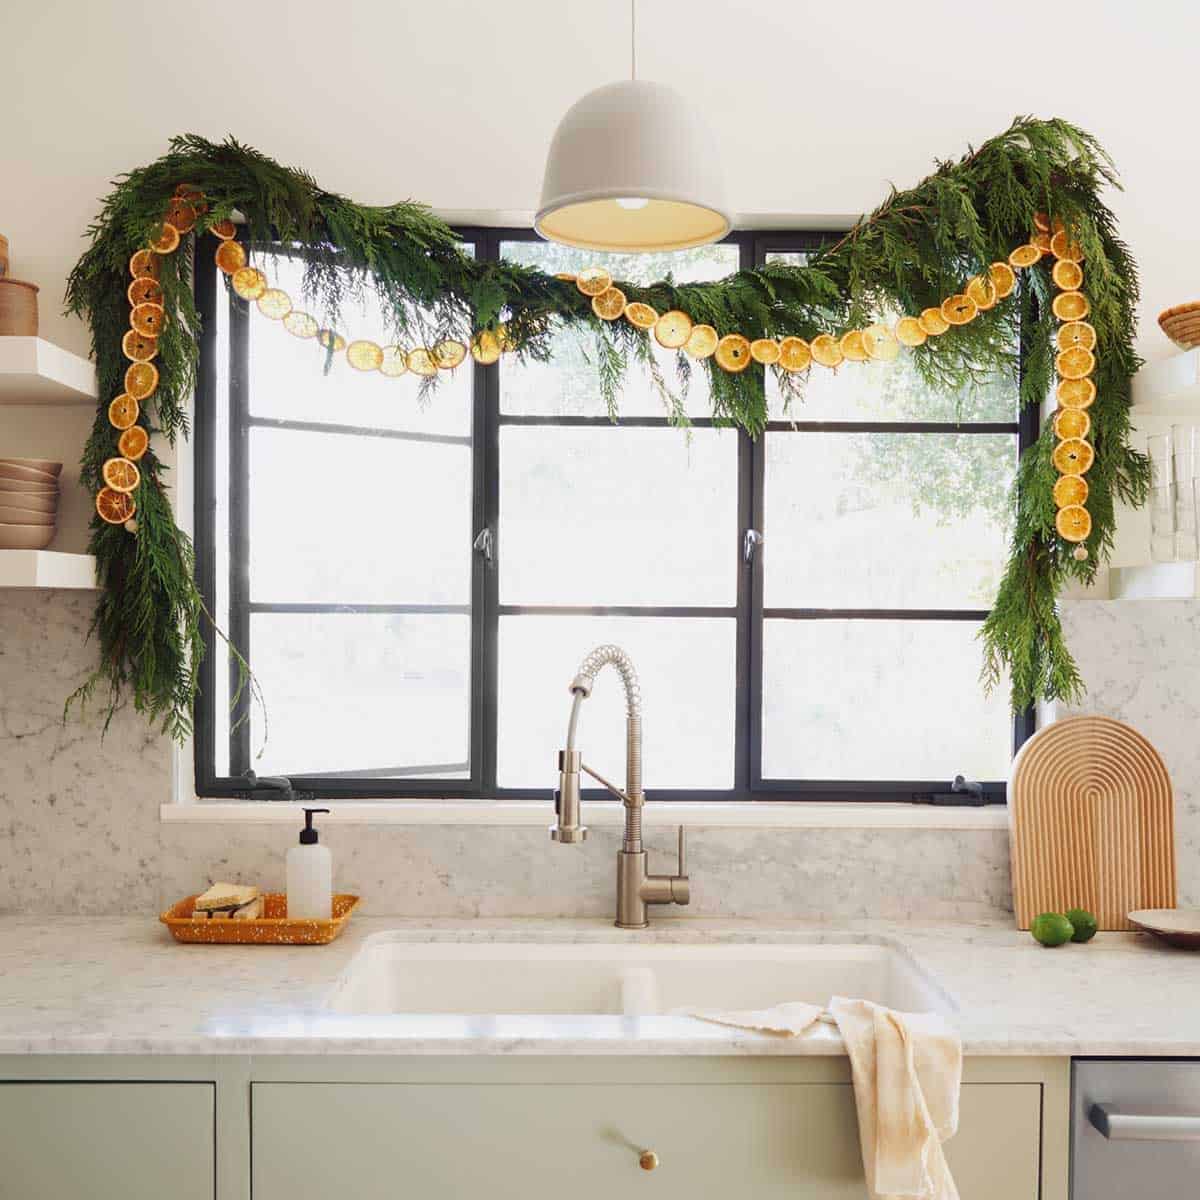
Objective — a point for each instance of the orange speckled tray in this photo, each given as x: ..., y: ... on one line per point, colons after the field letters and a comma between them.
x: 272, y: 930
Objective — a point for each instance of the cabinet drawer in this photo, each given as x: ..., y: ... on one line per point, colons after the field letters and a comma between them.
x: 106, y: 1141
x: 799, y: 1141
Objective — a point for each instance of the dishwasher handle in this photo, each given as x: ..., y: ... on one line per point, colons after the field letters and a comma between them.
x: 1120, y: 1126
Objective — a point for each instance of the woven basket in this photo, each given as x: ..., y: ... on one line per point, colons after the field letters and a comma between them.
x: 1182, y: 324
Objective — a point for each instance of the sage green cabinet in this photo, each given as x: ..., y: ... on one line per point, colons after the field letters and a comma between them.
x: 107, y: 1141
x: 799, y: 1141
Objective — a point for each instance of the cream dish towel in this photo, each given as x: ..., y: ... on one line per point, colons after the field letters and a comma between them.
x: 907, y: 1069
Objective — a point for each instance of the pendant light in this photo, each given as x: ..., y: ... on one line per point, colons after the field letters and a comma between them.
x: 633, y: 167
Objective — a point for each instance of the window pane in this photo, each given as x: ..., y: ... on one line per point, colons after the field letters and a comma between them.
x: 288, y: 380
x: 618, y: 516
x: 882, y: 391
x: 567, y: 384
x: 886, y: 520
x: 342, y: 519
x: 880, y: 700
x: 387, y: 695
x: 686, y: 669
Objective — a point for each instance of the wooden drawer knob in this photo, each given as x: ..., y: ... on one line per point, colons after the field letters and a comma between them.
x: 648, y: 1160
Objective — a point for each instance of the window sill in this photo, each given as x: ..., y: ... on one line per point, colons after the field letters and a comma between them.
x: 764, y: 815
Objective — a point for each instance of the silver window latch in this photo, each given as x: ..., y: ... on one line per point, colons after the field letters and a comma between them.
x: 751, y: 539
x: 485, y: 544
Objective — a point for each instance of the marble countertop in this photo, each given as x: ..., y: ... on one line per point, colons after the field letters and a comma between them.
x: 78, y: 985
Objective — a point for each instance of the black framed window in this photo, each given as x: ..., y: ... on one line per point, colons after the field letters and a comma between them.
x: 415, y: 585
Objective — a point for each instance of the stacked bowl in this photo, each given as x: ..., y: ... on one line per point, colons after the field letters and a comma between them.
x: 28, y: 503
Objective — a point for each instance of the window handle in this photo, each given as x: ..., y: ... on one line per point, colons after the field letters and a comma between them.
x: 751, y: 539
x: 485, y: 543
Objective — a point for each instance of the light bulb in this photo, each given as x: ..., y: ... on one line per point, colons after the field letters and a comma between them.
x: 632, y: 201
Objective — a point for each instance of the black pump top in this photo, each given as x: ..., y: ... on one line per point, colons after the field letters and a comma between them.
x: 308, y: 835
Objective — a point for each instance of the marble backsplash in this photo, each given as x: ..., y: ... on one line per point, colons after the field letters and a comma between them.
x: 80, y: 829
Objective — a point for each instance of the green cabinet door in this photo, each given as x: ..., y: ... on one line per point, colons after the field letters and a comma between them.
x: 106, y: 1141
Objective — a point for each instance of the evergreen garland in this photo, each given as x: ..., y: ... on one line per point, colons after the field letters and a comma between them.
x: 916, y: 248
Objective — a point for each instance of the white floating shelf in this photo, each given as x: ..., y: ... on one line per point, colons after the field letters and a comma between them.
x: 35, y: 371
x: 1170, y: 385
x: 46, y: 569
x: 1167, y: 581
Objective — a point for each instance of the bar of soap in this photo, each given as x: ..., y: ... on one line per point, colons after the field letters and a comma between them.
x: 226, y: 896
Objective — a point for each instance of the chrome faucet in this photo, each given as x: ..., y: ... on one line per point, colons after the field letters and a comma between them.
x: 636, y: 888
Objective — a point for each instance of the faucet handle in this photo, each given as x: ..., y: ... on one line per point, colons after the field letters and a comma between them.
x: 683, y: 851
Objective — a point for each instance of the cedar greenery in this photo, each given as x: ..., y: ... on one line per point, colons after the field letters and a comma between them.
x: 916, y: 248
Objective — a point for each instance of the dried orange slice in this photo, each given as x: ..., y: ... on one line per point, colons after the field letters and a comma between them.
x: 1024, y: 256
x: 881, y: 343
x: 1073, y: 523
x: 1041, y: 222
x: 300, y: 324
x: 1064, y: 249
x: 1073, y: 457
x: 395, y: 362
x: 230, y: 257
x: 591, y: 281
x: 609, y: 304
x: 420, y: 362
x: 733, y: 353
x: 138, y: 347
x: 982, y: 290
x: 794, y: 354
x: 166, y: 239
x: 485, y: 347
x: 641, y: 316
x: 181, y: 214
x: 448, y: 354
x: 1076, y: 393
x: 141, y: 379
x: 330, y: 339
x: 960, y: 309
x: 248, y: 282
x: 148, y: 319
x: 909, y: 331
x: 1041, y: 242
x: 274, y: 303
x: 765, y: 351
x: 1071, y: 423
x: 121, y: 475
x: 115, y: 507
x: 932, y: 321
x: 134, y: 442
x: 702, y: 341
x: 853, y: 347
x: 144, y: 265
x: 672, y: 329
x: 224, y: 230
x: 1076, y: 333
x: 826, y: 350
x: 1070, y: 306
x: 123, y: 411
x: 1067, y: 275
x: 1075, y: 363
x: 1003, y: 278
x: 1070, y: 489
x: 364, y: 355
x: 144, y: 291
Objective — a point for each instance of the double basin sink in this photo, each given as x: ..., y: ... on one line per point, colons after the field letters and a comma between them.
x: 390, y: 975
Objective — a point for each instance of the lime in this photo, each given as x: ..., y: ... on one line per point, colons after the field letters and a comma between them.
x: 1084, y: 924
x: 1052, y: 929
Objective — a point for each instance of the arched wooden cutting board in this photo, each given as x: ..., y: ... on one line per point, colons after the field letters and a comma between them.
x: 1092, y: 823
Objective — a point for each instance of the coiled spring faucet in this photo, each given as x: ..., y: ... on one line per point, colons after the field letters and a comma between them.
x: 636, y: 887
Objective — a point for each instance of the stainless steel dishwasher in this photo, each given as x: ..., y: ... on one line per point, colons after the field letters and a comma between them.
x: 1135, y: 1129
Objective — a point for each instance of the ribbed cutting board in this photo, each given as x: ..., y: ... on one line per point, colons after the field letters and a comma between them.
x: 1092, y: 821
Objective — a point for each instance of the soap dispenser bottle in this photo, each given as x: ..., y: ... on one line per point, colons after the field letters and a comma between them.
x: 310, y: 875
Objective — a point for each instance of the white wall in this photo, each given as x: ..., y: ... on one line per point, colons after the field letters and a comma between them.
x: 815, y: 106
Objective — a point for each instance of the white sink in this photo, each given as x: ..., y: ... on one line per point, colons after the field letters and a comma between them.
x: 391, y: 976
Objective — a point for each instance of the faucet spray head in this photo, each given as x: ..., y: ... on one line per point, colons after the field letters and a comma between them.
x: 566, y: 827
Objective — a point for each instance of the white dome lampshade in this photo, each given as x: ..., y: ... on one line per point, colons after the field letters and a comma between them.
x: 633, y: 167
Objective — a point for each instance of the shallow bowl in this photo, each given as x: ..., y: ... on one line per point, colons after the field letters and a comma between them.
x: 26, y: 537
x: 1176, y: 926
x: 42, y: 488
x: 35, y: 464
x: 24, y: 516
x: 26, y: 474
x: 39, y: 502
